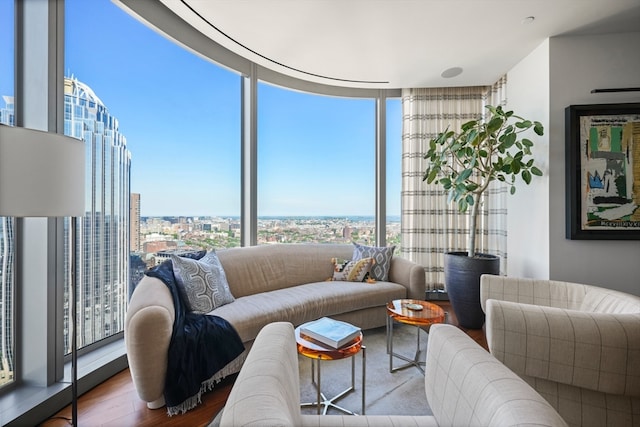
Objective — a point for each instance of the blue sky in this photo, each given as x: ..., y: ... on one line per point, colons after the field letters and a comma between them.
x: 181, y: 117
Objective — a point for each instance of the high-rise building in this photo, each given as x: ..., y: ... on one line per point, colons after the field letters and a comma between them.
x: 103, y: 233
x: 134, y: 217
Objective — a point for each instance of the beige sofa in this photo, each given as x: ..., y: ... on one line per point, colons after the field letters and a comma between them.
x: 577, y: 345
x: 286, y: 282
x: 464, y: 384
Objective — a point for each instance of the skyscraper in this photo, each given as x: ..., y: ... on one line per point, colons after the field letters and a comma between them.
x: 134, y: 217
x: 103, y: 233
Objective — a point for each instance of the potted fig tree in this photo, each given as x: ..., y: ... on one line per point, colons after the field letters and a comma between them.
x: 464, y: 163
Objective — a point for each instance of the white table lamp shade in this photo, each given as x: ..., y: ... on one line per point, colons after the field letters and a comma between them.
x: 42, y: 174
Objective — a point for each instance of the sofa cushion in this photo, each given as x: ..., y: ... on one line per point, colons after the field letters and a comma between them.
x: 351, y: 271
x: 279, y: 266
x: 303, y: 303
x: 382, y: 259
x: 202, y: 282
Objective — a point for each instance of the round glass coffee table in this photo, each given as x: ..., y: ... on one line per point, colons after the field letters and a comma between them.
x: 421, y: 314
x: 318, y: 352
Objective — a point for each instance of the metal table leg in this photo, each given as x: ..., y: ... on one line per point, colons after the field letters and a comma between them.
x: 411, y: 362
x: 322, y: 401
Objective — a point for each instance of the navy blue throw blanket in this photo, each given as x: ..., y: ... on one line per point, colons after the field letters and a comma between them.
x: 200, y: 346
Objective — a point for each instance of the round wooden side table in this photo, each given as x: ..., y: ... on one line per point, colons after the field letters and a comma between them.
x: 411, y: 312
x: 318, y: 352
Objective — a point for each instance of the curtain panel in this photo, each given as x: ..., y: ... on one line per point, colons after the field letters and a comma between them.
x: 430, y: 225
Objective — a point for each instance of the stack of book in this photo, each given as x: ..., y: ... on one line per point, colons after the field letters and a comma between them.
x: 333, y: 333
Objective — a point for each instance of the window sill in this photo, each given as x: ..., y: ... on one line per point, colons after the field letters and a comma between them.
x: 31, y: 405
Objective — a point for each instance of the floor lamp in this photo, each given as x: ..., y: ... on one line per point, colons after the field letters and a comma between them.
x: 42, y: 174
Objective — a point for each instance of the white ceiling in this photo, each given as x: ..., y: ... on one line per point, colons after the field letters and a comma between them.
x: 397, y: 43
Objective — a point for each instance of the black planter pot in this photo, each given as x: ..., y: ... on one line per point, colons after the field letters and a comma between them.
x: 462, y: 279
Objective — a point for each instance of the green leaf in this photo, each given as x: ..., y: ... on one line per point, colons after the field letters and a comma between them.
x: 512, y: 190
x: 515, y: 167
x: 469, y: 199
x: 509, y: 139
x: 526, y: 176
x: 536, y: 171
x: 465, y: 174
x: 538, y: 128
x: 462, y: 205
x: 451, y: 196
x: 471, y: 137
x: 527, y: 142
x: 494, y: 124
x: 468, y: 125
x: 492, y: 109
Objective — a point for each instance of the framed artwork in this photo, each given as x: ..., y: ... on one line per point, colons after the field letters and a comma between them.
x: 603, y: 171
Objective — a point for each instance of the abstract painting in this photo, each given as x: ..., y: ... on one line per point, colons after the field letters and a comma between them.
x: 603, y: 171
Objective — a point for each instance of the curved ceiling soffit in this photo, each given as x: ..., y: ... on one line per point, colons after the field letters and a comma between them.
x: 273, y: 61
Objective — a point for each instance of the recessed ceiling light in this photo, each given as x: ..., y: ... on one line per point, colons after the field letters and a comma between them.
x: 529, y: 20
x: 451, y: 72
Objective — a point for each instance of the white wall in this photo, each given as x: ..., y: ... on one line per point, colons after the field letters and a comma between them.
x: 577, y: 64
x: 527, y: 224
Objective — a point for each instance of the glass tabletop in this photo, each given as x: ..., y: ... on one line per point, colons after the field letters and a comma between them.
x: 309, y: 347
x: 415, y: 312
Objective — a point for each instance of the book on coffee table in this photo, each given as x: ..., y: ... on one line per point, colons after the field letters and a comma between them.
x: 334, y: 333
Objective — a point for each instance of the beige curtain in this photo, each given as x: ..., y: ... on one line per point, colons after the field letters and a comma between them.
x: 430, y: 225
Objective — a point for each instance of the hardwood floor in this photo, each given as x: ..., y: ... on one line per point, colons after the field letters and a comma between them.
x: 115, y: 402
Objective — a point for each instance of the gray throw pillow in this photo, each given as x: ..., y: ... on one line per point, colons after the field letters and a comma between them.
x: 381, y: 255
x: 202, y: 282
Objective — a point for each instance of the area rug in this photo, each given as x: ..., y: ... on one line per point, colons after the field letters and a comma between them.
x: 386, y: 393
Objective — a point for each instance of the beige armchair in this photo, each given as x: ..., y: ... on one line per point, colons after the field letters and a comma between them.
x: 464, y: 385
x: 577, y: 345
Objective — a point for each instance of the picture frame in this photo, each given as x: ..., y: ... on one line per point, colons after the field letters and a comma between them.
x: 602, y: 149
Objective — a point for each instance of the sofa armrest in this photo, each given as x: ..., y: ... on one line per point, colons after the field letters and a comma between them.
x: 410, y: 275
x: 596, y: 351
x: 465, y: 385
x: 551, y: 293
x: 147, y: 333
x: 267, y: 390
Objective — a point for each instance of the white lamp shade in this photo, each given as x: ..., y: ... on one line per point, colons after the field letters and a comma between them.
x: 41, y: 174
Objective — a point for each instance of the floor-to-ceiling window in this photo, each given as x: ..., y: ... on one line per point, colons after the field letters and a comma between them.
x: 394, y: 173
x: 159, y: 122
x: 7, y: 246
x: 316, y: 176
x: 164, y: 124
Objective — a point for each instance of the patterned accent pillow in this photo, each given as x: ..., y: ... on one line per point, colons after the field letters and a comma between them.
x: 202, y: 282
x: 382, y: 256
x: 352, y: 271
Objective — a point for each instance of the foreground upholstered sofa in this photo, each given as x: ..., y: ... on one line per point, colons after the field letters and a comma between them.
x: 464, y: 384
x: 577, y: 345
x: 286, y: 282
